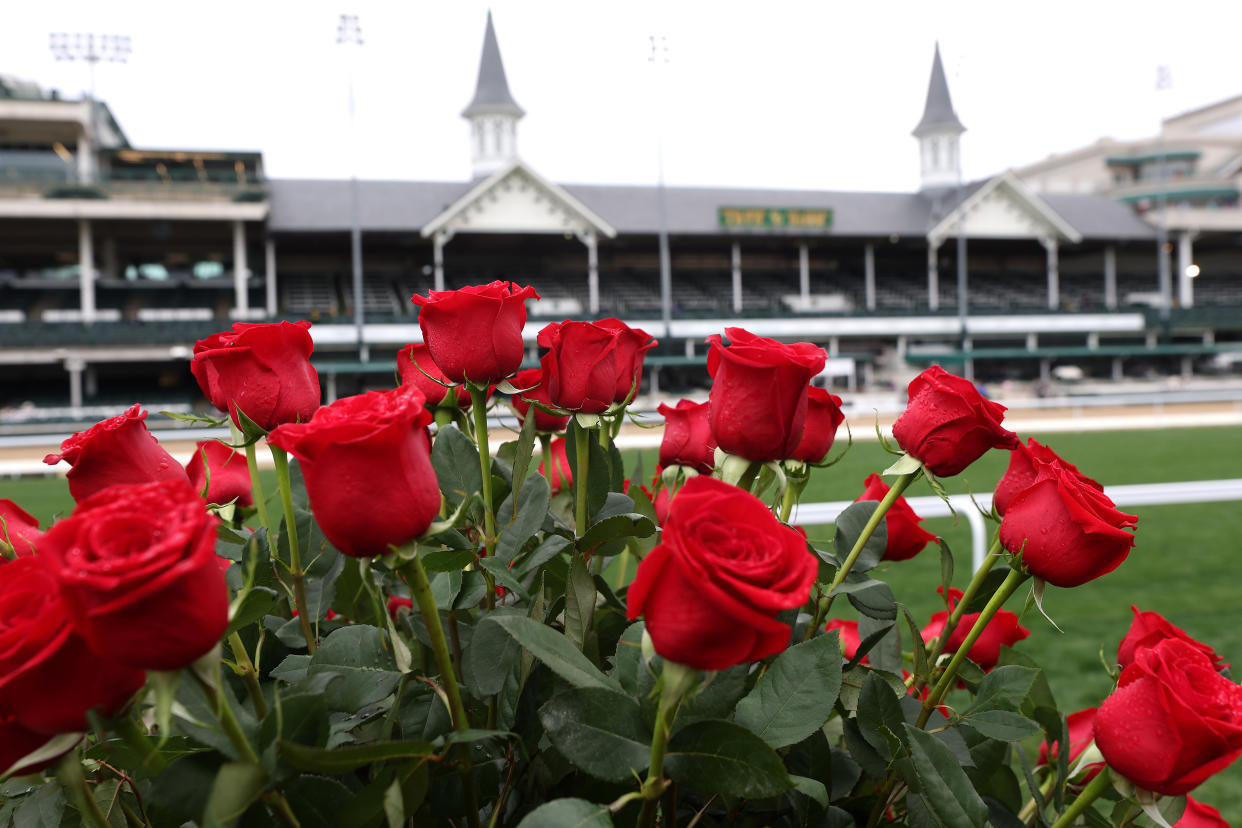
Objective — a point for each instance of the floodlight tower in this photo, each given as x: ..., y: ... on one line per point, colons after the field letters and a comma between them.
x: 659, y: 57
x: 1164, y: 80
x: 92, y: 49
x: 349, y: 33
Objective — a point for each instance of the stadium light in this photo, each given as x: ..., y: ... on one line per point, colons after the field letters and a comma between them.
x: 1192, y: 271
x: 658, y: 57
x: 91, y: 49
x: 349, y: 33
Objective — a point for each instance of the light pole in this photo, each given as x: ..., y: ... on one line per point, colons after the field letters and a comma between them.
x: 658, y: 56
x: 92, y: 49
x: 349, y: 32
x: 1164, y: 80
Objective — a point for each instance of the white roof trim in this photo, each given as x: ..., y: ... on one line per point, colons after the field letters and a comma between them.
x: 1007, y: 180
x: 483, y: 187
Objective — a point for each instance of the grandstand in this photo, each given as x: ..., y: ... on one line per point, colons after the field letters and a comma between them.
x: 114, y: 259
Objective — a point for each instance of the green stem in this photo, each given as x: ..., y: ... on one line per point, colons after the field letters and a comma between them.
x: 69, y: 774
x: 249, y: 675
x: 219, y: 702
x: 478, y: 403
x: 825, y: 603
x: 136, y: 737
x: 1007, y: 588
x: 420, y: 589
x: 788, y: 500
x: 443, y: 416
x: 296, y: 572
x: 550, y: 472
x: 260, y: 502
x: 582, y: 450
x: 675, y: 681
x: 1101, y: 783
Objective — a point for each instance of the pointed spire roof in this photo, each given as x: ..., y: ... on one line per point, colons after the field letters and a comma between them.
x: 938, y: 113
x: 491, y: 95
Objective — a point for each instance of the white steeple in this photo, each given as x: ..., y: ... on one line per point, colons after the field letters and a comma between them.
x: 492, y: 113
x: 939, y: 133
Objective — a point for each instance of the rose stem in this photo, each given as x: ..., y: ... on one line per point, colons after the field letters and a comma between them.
x: 478, y: 402
x: 69, y: 774
x: 550, y: 471
x: 675, y: 680
x: 825, y: 603
x: 1007, y: 588
x: 249, y: 675
x: 256, y: 491
x: 296, y: 572
x: 1094, y: 788
x: 750, y: 475
x: 788, y: 499
x: 219, y: 701
x: 955, y: 617
x: 137, y: 739
x: 1027, y: 813
x: 582, y: 450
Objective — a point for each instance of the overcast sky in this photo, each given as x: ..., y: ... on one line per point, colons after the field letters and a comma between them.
x: 785, y: 94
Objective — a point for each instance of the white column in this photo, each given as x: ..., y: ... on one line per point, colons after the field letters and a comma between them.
x: 933, y: 277
x: 804, y: 274
x: 1054, y: 275
x: 737, y: 278
x: 437, y: 252
x: 869, y: 275
x: 1110, y: 277
x: 1032, y: 341
x: 75, y: 368
x: 592, y: 245
x: 1185, y: 258
x: 269, y: 275
x: 241, y: 271
x: 86, y: 271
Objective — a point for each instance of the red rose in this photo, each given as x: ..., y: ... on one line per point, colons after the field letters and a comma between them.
x: 947, y: 424
x: 688, y: 439
x: 475, y: 333
x: 725, y: 567
x: 1199, y: 815
x: 1068, y: 531
x: 49, y: 675
x: 17, y: 742
x: 632, y: 347
x: 139, y: 573
x: 115, y: 452
x: 823, y: 418
x: 905, y: 537
x: 663, y: 497
x: 1002, y: 631
x: 417, y: 368
x: 367, y: 464
x: 758, y: 400
x: 1080, y: 726
x: 587, y: 363
x: 1150, y: 628
x: 18, y: 529
x: 396, y: 603
x: 1023, y: 462
x: 537, y: 392
x: 850, y: 640
x: 1172, y: 722
x: 262, y: 369
x: 223, y: 471
x: 564, y: 479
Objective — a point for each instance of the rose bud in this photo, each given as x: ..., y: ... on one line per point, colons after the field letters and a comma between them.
x: 475, y: 333
x: 114, y: 452
x: 563, y: 481
x: 396, y: 603
x: 1022, y: 470
x: 905, y: 537
x: 416, y: 367
x: 823, y: 418
x: 138, y: 569
x: 1068, y: 531
x: 687, y: 439
x: 366, y: 460
x: 711, y: 591
x: 1150, y: 628
x: 947, y: 424
x: 536, y: 392
x: 1199, y: 815
x: 1172, y: 722
x: 1080, y: 726
x: 588, y: 362
x: 758, y: 401
x: 850, y: 640
x: 632, y: 347
x: 49, y: 676
x: 263, y: 370
x: 1002, y: 631
x: 17, y: 742
x: 19, y: 529
x: 223, y: 471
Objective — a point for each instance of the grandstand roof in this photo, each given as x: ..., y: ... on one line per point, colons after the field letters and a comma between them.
x: 938, y: 111
x: 491, y: 95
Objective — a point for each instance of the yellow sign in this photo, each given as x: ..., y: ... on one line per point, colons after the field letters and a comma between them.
x: 774, y: 218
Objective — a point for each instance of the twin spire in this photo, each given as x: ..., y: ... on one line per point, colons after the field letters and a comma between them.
x: 939, y: 133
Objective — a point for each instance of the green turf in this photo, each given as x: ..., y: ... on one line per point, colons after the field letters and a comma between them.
x: 1183, y: 566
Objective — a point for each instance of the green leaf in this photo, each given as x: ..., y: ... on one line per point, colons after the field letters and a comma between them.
x: 917, y: 646
x: 874, y: 599
x: 627, y: 660
x: 456, y: 463
x: 946, y: 565
x: 532, y: 508
x: 491, y: 655
x: 990, y: 583
x: 258, y: 602
x: 367, y: 668
x: 1003, y: 689
x: 237, y: 786
x: 600, y: 731
x: 579, y: 602
x: 628, y: 525
x: 850, y: 524
x: 795, y: 696
x: 879, y: 711
x: 347, y: 758
x: 522, y: 452
x: 447, y: 560
x: 1001, y: 724
x: 719, y: 757
x: 944, y: 790
x: 568, y: 813
x: 556, y: 651
x: 812, y: 789
x: 503, y: 576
